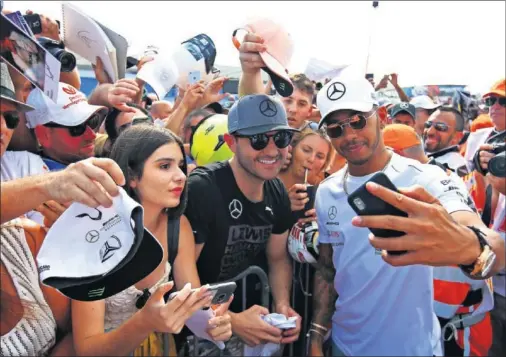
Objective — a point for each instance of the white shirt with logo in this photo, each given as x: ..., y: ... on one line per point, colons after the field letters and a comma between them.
x: 381, y: 310
x: 454, y: 161
x: 19, y: 164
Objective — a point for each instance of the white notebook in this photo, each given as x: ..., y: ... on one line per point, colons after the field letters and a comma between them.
x: 84, y: 36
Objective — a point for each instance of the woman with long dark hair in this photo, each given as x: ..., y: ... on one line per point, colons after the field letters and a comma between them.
x: 152, y: 160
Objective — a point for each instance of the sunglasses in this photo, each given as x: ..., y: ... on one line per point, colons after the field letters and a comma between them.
x: 356, y: 122
x: 93, y: 122
x: 260, y: 141
x: 442, y: 127
x: 135, y: 121
x: 11, y: 120
x: 490, y: 101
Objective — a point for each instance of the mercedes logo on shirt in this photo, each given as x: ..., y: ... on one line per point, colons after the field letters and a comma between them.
x: 332, y: 213
x: 336, y: 91
x: 110, y: 246
x: 92, y: 236
x: 235, y: 208
x: 268, y: 108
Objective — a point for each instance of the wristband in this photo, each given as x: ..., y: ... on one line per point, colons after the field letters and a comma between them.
x: 319, y: 326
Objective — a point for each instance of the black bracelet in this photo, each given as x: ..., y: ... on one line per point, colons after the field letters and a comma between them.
x: 481, y: 239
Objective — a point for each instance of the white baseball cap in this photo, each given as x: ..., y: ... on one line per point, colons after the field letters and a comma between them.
x: 424, y: 102
x: 93, y: 253
x: 70, y: 109
x: 345, y: 93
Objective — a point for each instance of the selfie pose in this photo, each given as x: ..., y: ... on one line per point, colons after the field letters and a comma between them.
x: 385, y: 287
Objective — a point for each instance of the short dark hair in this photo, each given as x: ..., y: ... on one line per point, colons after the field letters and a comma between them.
x: 304, y: 84
x: 459, y: 119
x: 110, y: 119
x: 134, y: 146
x: 196, y: 113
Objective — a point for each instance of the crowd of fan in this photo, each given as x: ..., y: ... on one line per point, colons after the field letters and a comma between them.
x: 249, y: 206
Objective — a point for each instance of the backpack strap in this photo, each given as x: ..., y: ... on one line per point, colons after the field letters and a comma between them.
x: 173, y: 240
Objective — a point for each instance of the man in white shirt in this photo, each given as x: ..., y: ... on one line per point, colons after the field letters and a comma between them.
x: 14, y: 164
x: 382, y: 309
x: 442, y: 134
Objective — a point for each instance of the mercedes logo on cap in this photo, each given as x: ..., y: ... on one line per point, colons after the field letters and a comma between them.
x: 336, y: 91
x: 113, y: 244
x: 235, y: 208
x: 332, y: 213
x: 404, y: 105
x: 92, y: 236
x: 268, y: 108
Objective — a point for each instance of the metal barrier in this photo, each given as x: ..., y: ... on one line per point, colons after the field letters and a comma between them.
x: 265, y: 291
x: 304, y: 285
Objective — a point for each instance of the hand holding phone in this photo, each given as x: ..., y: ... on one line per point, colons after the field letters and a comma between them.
x: 365, y: 203
x: 221, y: 293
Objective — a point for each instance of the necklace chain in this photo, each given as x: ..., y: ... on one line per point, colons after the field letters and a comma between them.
x: 347, y: 172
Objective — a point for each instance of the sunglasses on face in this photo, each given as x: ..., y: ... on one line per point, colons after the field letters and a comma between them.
x: 260, y: 141
x: 442, y: 127
x: 490, y: 101
x: 11, y: 119
x: 93, y: 122
x: 135, y: 121
x: 356, y: 122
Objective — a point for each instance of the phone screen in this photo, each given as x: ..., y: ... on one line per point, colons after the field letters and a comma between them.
x: 193, y: 77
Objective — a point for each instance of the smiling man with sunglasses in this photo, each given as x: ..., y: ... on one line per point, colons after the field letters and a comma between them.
x: 385, y: 304
x: 66, y: 130
x: 240, y: 214
x: 442, y: 134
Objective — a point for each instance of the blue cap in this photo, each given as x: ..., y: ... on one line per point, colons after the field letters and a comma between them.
x: 257, y: 114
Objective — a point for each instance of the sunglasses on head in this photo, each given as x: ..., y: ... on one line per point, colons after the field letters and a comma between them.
x: 438, y: 126
x: 490, y: 101
x: 93, y: 122
x: 260, y: 141
x: 356, y: 122
x: 135, y: 121
x: 11, y: 119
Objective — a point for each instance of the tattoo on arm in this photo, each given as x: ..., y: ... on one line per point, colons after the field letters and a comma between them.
x: 324, y: 301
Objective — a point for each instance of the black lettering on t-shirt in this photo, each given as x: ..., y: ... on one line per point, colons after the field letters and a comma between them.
x: 243, y: 242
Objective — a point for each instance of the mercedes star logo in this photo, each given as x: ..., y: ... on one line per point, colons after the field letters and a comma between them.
x: 92, y: 236
x: 336, y: 91
x: 332, y: 213
x: 404, y: 105
x: 268, y: 108
x: 235, y: 208
x: 109, y: 248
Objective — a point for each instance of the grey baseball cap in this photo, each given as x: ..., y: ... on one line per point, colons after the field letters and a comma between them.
x: 257, y: 114
x: 403, y: 108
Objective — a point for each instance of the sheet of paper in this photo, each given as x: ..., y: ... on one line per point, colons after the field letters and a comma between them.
x: 161, y: 74
x: 85, y: 37
x: 198, y: 323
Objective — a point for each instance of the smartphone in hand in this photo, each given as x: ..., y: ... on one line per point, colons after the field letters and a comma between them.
x: 221, y: 292
x: 193, y: 77
x: 366, y: 204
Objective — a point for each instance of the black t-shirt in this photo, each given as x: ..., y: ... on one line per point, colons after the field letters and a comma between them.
x: 234, y: 230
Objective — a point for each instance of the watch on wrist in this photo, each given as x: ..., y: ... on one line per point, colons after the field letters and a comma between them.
x: 482, y: 265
